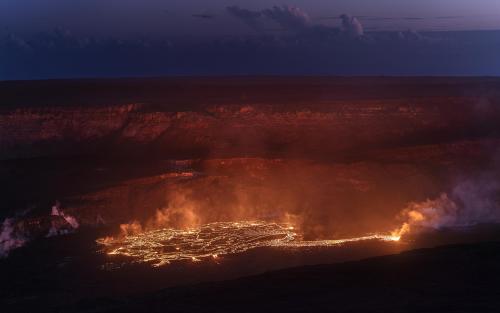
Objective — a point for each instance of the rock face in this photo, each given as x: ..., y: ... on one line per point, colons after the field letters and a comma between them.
x: 329, y: 123
x: 232, y: 130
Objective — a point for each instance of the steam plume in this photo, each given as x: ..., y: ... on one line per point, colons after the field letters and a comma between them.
x: 471, y: 202
x: 55, y: 229
x: 56, y: 211
x: 9, y: 238
x: 181, y: 212
x: 13, y: 236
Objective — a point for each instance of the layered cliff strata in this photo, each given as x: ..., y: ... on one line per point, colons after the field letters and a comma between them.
x: 238, y: 130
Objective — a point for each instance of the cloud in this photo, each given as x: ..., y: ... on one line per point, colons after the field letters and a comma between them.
x: 351, y: 25
x: 305, y: 48
x: 203, y: 16
x: 413, y: 18
x: 295, y: 20
x: 291, y: 18
x: 375, y: 18
x: 13, y: 41
x: 410, y: 35
x: 449, y: 17
x: 248, y: 17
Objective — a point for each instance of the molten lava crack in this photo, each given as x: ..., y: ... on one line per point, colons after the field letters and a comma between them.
x: 162, y: 246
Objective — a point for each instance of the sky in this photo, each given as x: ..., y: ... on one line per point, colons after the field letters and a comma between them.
x: 113, y: 38
x: 167, y: 17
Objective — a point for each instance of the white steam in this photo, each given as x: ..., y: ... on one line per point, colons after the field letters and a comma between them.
x: 471, y: 202
x: 478, y: 199
x: 12, y: 236
x: 9, y: 238
x: 56, y: 211
x: 56, y: 229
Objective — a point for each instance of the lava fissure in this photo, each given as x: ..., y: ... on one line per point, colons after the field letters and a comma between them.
x: 162, y: 246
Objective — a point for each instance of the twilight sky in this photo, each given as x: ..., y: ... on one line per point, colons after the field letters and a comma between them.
x: 167, y: 17
x: 113, y: 38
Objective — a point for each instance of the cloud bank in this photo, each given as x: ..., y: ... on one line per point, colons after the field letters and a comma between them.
x: 248, y: 17
x: 303, y: 48
x: 351, y: 25
x: 290, y: 18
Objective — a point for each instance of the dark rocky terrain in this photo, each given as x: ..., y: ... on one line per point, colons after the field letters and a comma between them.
x: 460, y: 278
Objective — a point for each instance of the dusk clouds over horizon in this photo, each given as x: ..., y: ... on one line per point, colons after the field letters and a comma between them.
x: 51, y: 39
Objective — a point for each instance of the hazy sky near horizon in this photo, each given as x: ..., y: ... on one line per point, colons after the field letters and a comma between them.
x: 167, y: 17
x: 42, y: 39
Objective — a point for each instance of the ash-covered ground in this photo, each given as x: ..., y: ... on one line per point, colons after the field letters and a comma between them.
x: 336, y: 158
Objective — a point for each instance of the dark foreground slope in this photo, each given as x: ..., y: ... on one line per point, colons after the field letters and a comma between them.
x: 459, y: 278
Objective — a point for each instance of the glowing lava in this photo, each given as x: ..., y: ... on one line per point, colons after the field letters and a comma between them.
x: 163, y: 246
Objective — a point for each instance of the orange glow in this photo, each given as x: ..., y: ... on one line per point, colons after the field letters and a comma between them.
x: 162, y: 246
